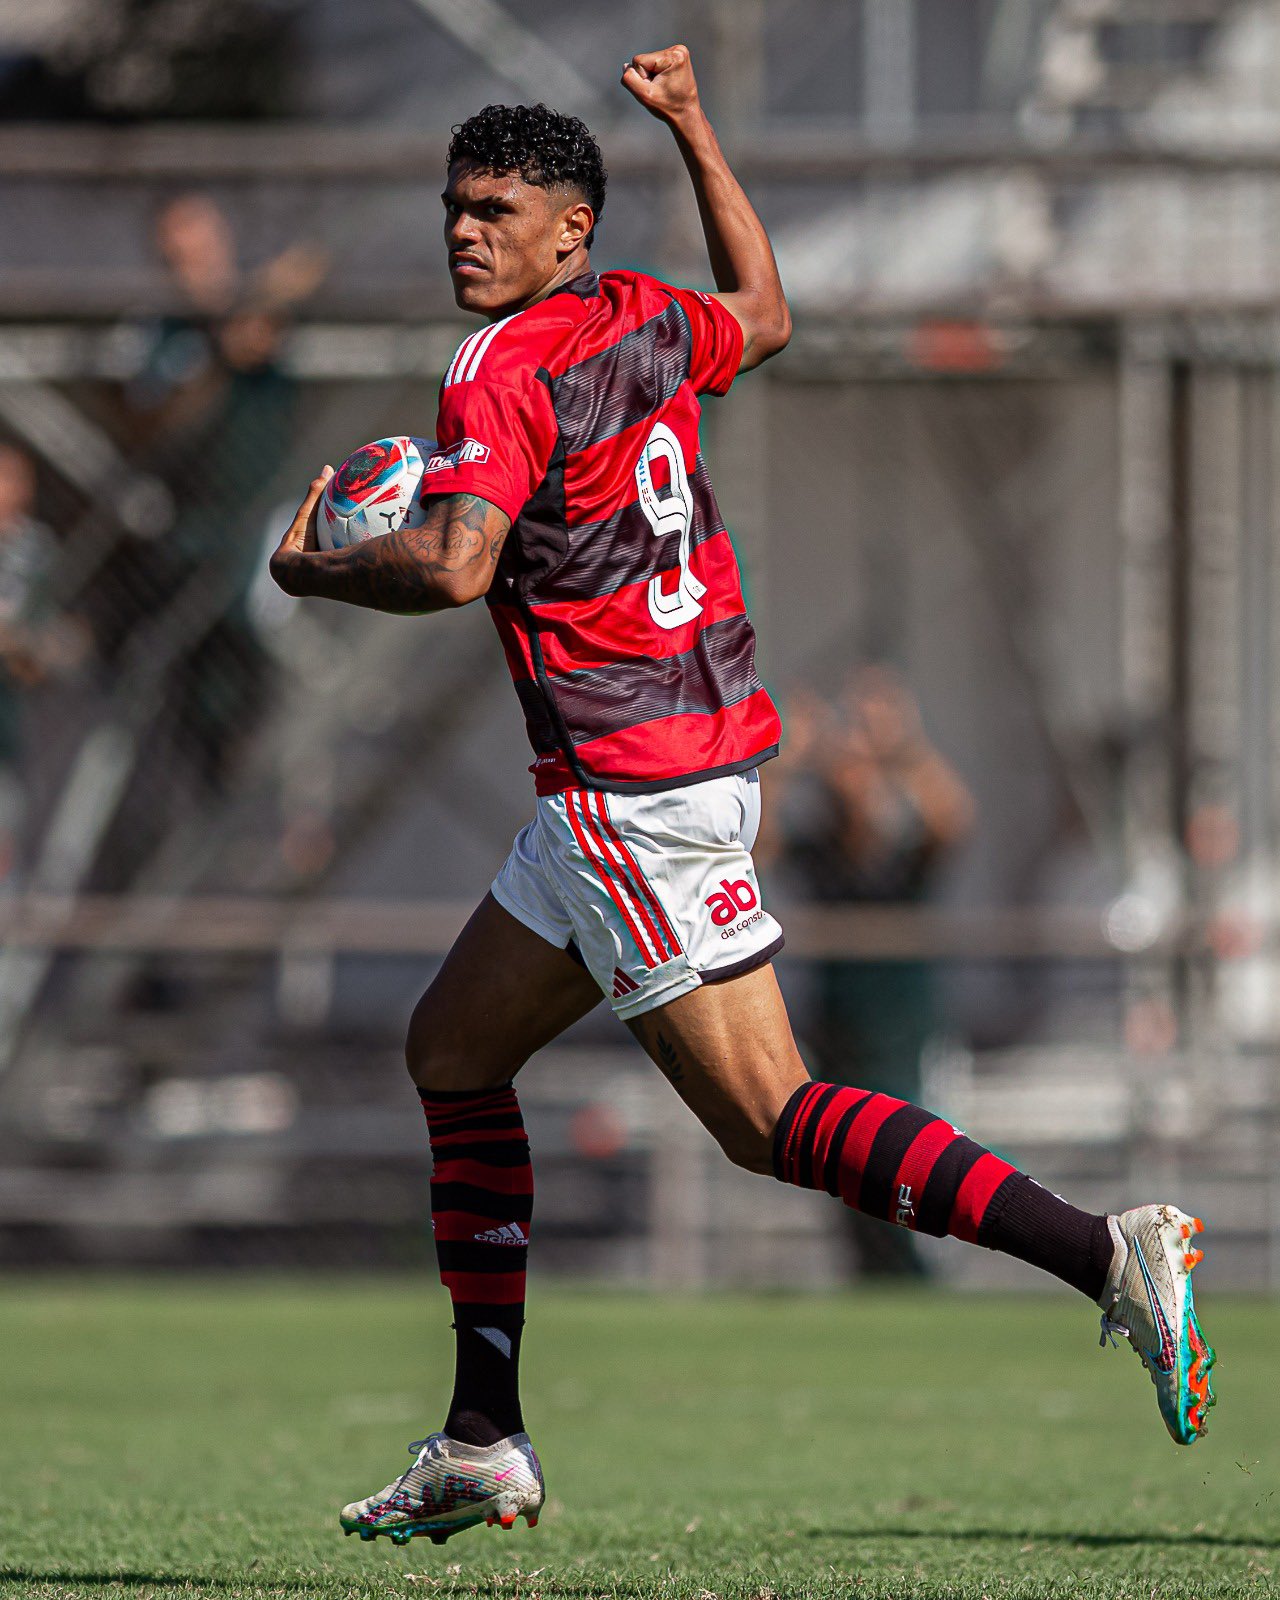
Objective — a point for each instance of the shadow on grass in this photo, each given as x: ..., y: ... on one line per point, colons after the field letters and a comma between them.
x: 156, y: 1580
x: 1093, y: 1541
x: 568, y: 1587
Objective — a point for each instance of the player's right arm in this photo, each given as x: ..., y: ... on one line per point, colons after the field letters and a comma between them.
x: 448, y: 561
x: 495, y: 435
x: 742, y: 260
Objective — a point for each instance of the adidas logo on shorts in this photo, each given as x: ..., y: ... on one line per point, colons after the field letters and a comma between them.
x: 622, y: 984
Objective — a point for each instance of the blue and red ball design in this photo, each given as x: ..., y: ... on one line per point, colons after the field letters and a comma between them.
x: 374, y: 491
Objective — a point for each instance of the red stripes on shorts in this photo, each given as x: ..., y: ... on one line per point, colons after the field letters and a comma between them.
x: 619, y: 871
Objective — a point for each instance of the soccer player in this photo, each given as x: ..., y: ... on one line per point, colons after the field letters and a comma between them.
x: 569, y: 492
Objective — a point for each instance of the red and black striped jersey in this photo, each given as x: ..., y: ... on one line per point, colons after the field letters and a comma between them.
x: 618, y: 597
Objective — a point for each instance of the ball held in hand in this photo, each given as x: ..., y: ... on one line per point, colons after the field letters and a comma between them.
x: 377, y: 489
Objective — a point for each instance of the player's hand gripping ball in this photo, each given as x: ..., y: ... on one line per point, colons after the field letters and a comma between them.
x: 376, y: 490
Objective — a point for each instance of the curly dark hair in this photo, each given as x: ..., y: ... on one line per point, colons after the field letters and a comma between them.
x: 545, y: 147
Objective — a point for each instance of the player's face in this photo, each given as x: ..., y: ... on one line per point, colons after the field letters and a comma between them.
x: 506, y: 238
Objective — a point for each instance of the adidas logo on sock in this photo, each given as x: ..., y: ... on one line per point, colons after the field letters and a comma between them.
x: 622, y: 984
x: 508, y: 1233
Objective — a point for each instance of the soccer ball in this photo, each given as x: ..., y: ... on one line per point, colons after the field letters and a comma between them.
x: 373, y: 491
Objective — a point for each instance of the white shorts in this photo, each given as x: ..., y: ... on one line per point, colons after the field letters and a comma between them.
x: 657, y: 892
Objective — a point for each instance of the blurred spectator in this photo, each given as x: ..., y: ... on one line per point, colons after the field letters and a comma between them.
x: 214, y: 412
x: 35, y: 642
x: 863, y: 810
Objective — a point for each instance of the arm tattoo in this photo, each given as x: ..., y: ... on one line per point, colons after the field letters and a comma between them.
x: 448, y: 560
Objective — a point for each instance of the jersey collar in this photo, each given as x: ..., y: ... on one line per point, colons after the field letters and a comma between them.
x: 586, y: 286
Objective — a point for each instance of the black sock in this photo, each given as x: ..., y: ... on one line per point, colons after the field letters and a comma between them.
x: 1025, y: 1220
x: 486, y: 1398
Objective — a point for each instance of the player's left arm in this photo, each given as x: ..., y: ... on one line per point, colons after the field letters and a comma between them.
x: 742, y: 262
x: 448, y: 561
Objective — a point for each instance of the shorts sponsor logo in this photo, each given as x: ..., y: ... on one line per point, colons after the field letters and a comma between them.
x: 467, y: 452
x: 734, y: 896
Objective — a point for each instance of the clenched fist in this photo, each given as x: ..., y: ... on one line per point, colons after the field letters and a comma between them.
x: 663, y: 82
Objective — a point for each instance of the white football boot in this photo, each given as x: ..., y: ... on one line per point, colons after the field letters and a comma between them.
x: 1148, y: 1301
x: 452, y: 1486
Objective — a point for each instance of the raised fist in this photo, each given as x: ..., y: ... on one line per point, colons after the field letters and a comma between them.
x: 663, y: 82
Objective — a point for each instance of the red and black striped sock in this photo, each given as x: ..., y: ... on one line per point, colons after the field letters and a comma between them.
x: 892, y: 1160
x: 481, y: 1205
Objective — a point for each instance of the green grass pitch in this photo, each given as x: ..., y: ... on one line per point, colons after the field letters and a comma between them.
x: 198, y: 1437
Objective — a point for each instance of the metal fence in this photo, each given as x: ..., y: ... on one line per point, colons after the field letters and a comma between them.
x: 242, y: 815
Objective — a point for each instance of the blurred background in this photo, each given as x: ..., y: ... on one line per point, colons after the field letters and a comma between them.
x: 1010, y: 507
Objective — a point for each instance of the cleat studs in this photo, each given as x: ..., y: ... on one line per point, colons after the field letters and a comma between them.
x: 508, y: 1523
x: 368, y: 1533
x: 1197, y: 1224
x: 400, y: 1536
x: 531, y: 1517
x: 1185, y: 1230
x: 439, y: 1538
